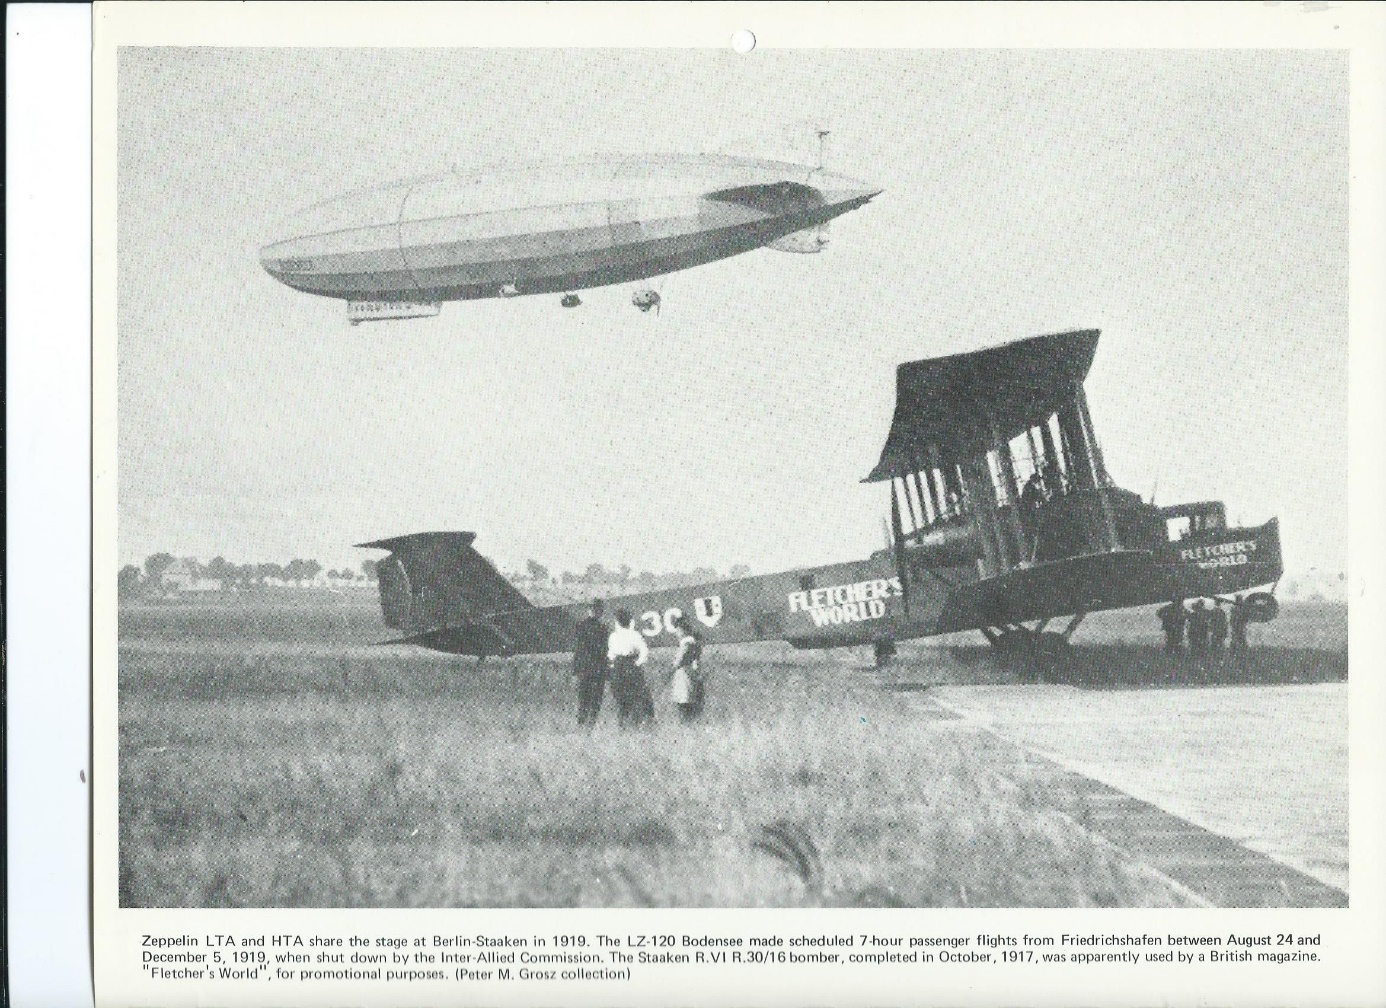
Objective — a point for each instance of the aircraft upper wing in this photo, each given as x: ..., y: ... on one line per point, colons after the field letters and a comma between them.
x: 956, y: 406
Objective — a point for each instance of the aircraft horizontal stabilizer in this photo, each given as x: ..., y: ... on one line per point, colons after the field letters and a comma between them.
x: 412, y: 639
x: 466, y: 639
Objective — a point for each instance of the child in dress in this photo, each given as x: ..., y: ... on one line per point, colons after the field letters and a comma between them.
x: 686, y: 683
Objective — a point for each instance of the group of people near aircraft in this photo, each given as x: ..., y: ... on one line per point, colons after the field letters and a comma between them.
x: 618, y: 654
x: 1208, y: 628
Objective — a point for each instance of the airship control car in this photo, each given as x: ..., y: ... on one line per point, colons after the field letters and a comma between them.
x: 402, y: 249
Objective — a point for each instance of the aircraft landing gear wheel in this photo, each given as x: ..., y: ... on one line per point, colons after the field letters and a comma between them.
x: 885, y: 651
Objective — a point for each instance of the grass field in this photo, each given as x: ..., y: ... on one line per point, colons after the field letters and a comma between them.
x: 352, y: 616
x: 267, y: 758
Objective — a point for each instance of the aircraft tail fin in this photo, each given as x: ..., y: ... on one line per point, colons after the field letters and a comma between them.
x: 435, y: 580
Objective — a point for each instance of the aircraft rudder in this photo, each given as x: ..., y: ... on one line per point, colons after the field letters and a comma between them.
x: 433, y: 580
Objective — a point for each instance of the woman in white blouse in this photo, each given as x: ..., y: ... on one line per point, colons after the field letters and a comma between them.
x: 627, y: 652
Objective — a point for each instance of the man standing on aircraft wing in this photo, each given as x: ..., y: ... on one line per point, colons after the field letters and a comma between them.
x: 1032, y: 498
x: 589, y: 664
x: 628, y: 653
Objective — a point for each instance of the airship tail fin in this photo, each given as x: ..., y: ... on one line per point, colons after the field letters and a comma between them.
x: 807, y: 241
x: 435, y: 580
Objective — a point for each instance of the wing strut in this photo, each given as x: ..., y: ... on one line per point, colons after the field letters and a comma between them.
x: 1073, y: 625
x: 899, y: 545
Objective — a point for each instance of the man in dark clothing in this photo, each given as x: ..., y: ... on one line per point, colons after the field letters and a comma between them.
x: 589, y: 664
x: 1033, y: 495
x: 1172, y: 620
x: 1198, y: 627
x: 1217, y: 627
x: 1032, y: 499
x: 1239, y: 623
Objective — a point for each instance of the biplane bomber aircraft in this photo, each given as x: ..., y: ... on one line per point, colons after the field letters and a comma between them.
x: 1002, y: 519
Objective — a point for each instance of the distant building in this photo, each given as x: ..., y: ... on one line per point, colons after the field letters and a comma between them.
x: 183, y: 576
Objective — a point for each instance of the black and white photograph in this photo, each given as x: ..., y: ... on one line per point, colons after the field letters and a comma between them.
x: 701, y: 504
x: 690, y: 504
x: 715, y: 478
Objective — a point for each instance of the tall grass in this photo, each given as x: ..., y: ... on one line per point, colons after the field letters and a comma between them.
x: 403, y: 780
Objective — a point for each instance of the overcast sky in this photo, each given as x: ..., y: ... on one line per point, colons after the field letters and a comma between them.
x: 1191, y: 205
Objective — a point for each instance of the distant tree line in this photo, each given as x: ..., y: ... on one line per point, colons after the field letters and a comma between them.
x: 1315, y: 586
x: 597, y: 580
x: 163, y: 572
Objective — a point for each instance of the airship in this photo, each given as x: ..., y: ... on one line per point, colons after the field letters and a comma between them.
x: 401, y: 250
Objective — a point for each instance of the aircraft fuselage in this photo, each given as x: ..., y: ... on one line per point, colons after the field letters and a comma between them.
x: 884, y: 599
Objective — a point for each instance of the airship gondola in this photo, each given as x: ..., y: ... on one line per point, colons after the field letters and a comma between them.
x: 403, y: 249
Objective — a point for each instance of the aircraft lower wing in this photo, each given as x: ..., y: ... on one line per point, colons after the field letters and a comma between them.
x: 1082, y: 584
x: 1119, y: 579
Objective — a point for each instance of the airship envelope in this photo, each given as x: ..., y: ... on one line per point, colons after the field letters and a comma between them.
x: 554, y: 228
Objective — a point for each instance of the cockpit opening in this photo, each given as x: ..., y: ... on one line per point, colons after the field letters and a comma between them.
x: 1189, y: 521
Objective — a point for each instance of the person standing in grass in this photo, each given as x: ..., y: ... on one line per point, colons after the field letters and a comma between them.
x: 589, y: 664
x: 1172, y: 620
x: 1239, y: 623
x: 627, y: 652
x: 686, y: 683
x: 1217, y: 627
x: 1198, y: 627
